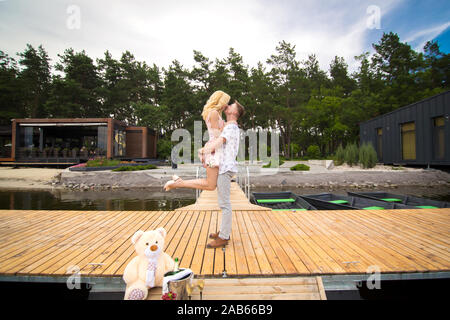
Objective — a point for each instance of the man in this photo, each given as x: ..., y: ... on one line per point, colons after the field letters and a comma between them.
x: 227, y: 168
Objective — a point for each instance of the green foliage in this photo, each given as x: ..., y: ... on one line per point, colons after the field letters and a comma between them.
x: 270, y: 164
x: 351, y: 154
x: 102, y: 162
x: 340, y: 155
x: 313, y: 152
x: 307, y: 105
x: 136, y: 168
x: 367, y: 156
x: 164, y: 148
x: 300, y: 167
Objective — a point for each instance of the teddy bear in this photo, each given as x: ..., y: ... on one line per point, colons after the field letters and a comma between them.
x: 147, y: 269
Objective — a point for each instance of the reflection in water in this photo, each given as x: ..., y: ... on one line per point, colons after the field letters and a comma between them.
x: 129, y: 200
x: 155, y: 199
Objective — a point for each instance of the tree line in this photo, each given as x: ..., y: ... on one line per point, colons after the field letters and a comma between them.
x: 309, y: 106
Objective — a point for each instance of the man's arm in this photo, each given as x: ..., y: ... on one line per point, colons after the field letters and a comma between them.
x: 217, y: 143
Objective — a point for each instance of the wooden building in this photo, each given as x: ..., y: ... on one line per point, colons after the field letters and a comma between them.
x: 417, y: 134
x: 76, y: 140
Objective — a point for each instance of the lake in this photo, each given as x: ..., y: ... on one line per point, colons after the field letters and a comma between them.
x: 151, y: 199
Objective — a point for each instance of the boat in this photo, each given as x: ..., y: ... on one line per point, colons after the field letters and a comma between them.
x: 419, y: 203
x: 331, y: 201
x: 281, y: 201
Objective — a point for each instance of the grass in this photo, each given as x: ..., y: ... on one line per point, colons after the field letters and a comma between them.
x: 398, y: 168
x: 102, y: 163
x: 300, y: 167
x: 136, y: 168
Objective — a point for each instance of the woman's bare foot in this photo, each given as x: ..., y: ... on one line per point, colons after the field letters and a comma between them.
x: 173, y: 184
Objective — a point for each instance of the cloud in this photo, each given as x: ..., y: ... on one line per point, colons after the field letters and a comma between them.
x: 420, y: 38
x: 162, y: 31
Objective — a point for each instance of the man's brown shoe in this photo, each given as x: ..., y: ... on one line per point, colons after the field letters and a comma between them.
x: 219, y: 242
x: 214, y: 235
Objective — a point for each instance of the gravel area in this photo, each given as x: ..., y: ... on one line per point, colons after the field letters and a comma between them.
x: 317, y: 177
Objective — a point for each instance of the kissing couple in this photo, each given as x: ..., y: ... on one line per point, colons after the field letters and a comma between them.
x: 218, y: 156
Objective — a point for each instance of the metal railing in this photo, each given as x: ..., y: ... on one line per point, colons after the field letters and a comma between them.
x: 242, y: 178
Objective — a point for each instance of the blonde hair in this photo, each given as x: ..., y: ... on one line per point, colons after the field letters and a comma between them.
x: 217, y: 100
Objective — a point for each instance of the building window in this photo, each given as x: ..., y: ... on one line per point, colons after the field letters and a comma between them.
x: 408, y: 131
x: 380, y: 143
x: 439, y: 138
x: 119, y: 143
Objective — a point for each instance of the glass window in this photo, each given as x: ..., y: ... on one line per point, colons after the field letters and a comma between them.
x: 102, y: 136
x: 439, y: 138
x: 380, y: 143
x: 119, y: 143
x: 408, y: 131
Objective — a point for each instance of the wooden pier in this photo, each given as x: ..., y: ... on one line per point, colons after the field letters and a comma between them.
x: 43, y: 244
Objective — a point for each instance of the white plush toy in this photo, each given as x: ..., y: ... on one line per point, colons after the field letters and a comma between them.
x: 147, y: 269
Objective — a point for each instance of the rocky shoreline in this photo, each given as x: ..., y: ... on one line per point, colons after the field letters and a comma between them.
x: 319, y: 178
x: 351, y: 180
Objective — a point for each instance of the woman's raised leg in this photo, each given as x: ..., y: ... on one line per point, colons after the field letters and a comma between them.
x: 209, y: 183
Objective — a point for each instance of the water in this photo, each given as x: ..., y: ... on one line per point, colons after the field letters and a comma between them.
x: 440, y: 193
x: 153, y: 199
x: 117, y: 200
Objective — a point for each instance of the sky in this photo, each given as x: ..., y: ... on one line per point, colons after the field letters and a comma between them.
x: 166, y: 30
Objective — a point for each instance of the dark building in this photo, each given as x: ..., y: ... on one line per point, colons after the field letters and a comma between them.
x: 417, y: 134
x: 74, y: 140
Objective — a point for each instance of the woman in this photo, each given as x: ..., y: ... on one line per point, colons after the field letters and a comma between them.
x: 212, y: 115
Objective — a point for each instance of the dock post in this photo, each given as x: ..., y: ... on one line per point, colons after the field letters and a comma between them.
x: 224, y: 272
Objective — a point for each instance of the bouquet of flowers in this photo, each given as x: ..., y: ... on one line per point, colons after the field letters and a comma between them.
x: 169, y: 296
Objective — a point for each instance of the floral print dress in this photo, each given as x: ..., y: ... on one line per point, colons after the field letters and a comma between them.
x: 214, y: 158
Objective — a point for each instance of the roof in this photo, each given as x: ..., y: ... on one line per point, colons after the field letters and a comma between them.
x: 406, y: 107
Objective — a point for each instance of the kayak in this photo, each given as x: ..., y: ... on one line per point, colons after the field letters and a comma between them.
x: 280, y: 201
x: 331, y: 201
x: 419, y: 203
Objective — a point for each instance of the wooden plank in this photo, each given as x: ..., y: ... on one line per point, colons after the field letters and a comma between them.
x: 321, y: 288
x: 208, y: 201
x: 356, y: 258
x: 109, y: 253
x: 118, y: 260
x: 261, y: 257
x: 187, y: 233
x: 36, y: 250
x: 239, y: 253
x: 252, y: 262
x: 219, y: 254
x: 407, y: 246
x: 81, y: 254
x: 257, y: 289
x: 41, y: 242
x: 271, y: 255
x: 57, y: 261
x: 285, y: 240
x: 366, y: 237
x: 197, y: 260
x: 188, y: 256
x: 208, y: 258
x: 277, y: 242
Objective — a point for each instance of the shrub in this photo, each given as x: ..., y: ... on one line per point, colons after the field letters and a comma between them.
x: 351, y: 154
x: 313, y: 152
x: 340, y: 155
x: 300, y: 167
x: 367, y: 156
x: 102, y: 162
x: 136, y: 168
x: 270, y: 163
